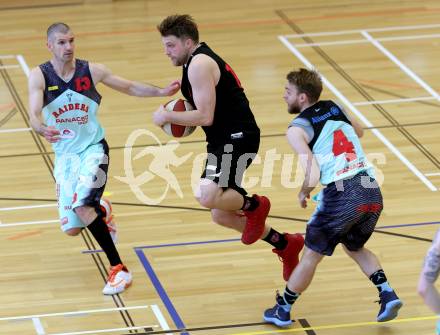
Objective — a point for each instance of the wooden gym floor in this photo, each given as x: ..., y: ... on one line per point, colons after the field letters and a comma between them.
x: 378, y: 58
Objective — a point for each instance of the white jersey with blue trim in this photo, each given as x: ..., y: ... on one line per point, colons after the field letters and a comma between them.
x: 334, y: 142
x: 71, y: 107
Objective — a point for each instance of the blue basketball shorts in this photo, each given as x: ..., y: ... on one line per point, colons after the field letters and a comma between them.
x: 80, y: 180
x: 347, y: 213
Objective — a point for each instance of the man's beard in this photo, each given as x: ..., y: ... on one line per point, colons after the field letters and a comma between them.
x: 294, y: 109
x: 181, y: 61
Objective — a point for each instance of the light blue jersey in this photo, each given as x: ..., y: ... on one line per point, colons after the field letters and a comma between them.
x: 339, y: 153
x: 71, y: 107
x: 74, y: 115
x: 334, y: 142
x: 81, y: 160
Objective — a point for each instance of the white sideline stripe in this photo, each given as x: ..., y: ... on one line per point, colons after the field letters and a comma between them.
x: 26, y: 223
x: 376, y: 132
x: 6, y: 56
x: 15, y: 130
x: 392, y: 101
x: 26, y: 207
x: 9, y: 66
x: 382, y: 39
x: 354, y: 31
x: 73, y: 313
x: 410, y: 37
x: 402, y: 66
x: 316, y: 44
x: 23, y: 65
x: 38, y: 326
x: 432, y: 174
x: 159, y: 316
x: 108, y: 330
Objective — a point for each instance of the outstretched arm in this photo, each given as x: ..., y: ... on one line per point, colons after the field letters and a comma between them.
x: 100, y: 73
x: 36, y: 91
x: 429, y: 275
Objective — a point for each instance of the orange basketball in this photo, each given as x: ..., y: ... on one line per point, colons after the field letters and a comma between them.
x: 178, y: 105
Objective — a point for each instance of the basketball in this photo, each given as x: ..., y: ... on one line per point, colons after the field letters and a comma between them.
x: 178, y: 105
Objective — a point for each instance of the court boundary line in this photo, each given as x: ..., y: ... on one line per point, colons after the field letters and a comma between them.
x: 363, y: 41
x: 360, y: 115
x: 166, y: 245
x: 38, y: 326
x: 4, y: 209
x: 14, y: 130
x: 160, y: 317
x: 23, y: 64
x: 35, y: 318
x: 42, y: 6
x: 107, y: 330
x: 402, y: 66
x: 356, y: 31
x: 88, y: 311
x: 295, y: 330
x: 160, y: 290
x: 393, y: 101
x: 376, y: 229
x: 3, y: 67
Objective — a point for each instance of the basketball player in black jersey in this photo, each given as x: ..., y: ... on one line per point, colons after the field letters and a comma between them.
x: 63, y: 90
x: 232, y: 136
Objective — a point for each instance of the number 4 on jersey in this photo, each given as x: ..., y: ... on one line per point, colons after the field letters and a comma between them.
x: 341, y: 145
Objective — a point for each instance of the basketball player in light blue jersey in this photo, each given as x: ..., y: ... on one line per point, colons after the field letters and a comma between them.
x: 327, y: 142
x: 63, y: 91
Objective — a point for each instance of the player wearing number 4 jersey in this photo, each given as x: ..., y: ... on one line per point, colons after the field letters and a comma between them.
x: 327, y: 142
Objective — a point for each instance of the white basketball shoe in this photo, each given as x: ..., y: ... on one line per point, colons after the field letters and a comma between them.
x: 118, y: 280
x: 109, y: 219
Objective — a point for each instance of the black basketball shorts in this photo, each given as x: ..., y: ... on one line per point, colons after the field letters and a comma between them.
x: 227, y: 162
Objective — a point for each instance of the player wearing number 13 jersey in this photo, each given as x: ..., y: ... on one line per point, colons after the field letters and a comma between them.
x: 63, y: 106
x: 327, y: 142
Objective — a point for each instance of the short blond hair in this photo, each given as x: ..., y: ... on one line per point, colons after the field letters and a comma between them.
x: 308, y: 82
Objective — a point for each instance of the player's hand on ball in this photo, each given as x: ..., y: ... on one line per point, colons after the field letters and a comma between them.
x: 159, y: 116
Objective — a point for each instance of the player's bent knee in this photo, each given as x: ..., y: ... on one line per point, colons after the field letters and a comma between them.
x: 311, y: 258
x: 207, y: 193
x: 85, y: 213
x: 206, y: 201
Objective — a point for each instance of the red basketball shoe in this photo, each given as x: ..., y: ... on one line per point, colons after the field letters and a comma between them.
x: 256, y: 220
x: 289, y: 256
